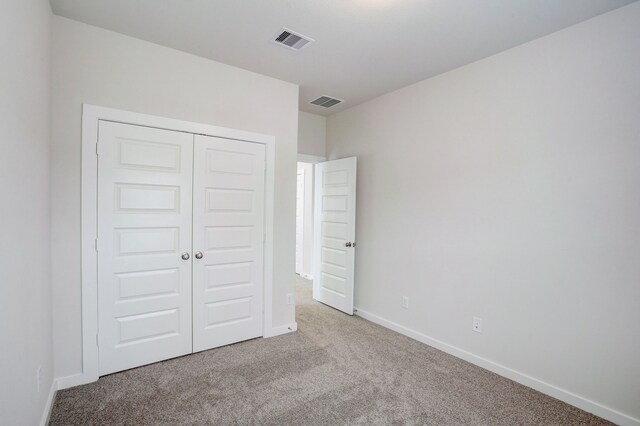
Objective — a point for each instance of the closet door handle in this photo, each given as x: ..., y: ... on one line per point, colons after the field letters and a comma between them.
x: 199, y: 255
x: 185, y: 256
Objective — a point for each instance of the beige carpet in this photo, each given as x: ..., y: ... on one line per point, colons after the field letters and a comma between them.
x: 335, y: 370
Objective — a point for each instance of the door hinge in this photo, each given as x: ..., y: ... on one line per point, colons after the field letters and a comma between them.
x: 96, y: 148
x: 97, y: 341
x: 96, y: 244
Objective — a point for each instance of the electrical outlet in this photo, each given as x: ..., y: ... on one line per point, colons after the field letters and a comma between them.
x: 405, y: 302
x: 289, y: 299
x: 38, y: 378
x: 477, y: 325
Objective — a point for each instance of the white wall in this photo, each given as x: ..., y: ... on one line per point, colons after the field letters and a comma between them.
x: 25, y: 286
x: 312, y: 130
x: 307, y: 256
x: 95, y: 66
x: 509, y: 189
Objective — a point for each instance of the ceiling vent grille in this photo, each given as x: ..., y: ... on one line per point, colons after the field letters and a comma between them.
x: 292, y: 40
x: 325, y: 101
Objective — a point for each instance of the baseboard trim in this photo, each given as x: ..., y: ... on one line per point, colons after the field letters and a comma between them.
x: 48, y: 406
x: 281, y: 329
x: 546, y: 388
x: 307, y: 276
x: 82, y: 379
x: 73, y: 380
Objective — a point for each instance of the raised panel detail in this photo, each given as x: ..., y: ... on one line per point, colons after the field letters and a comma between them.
x: 137, y: 241
x: 334, y: 203
x: 231, y: 237
x: 338, y: 177
x: 134, y: 285
x: 132, y: 198
x: 228, y: 274
x: 334, y: 230
x: 334, y: 283
x: 334, y: 257
x: 143, y: 327
x: 227, y: 311
x: 229, y: 200
x: 146, y: 155
x: 229, y: 162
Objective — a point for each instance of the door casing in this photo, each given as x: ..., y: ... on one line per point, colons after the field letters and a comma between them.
x: 91, y: 115
x: 300, y: 204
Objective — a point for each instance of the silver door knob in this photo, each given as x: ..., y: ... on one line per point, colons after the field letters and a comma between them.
x: 199, y: 255
x: 347, y: 244
x: 185, y: 256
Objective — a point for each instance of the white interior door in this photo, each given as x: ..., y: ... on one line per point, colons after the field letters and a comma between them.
x: 144, y: 227
x: 335, y: 229
x: 300, y: 222
x: 228, y: 241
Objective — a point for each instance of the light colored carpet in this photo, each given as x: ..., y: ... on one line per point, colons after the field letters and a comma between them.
x: 336, y: 370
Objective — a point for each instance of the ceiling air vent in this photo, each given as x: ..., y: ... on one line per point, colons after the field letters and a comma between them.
x: 325, y: 101
x: 292, y: 40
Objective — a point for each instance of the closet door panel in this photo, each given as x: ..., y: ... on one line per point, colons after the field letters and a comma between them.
x: 144, y: 226
x: 228, y: 229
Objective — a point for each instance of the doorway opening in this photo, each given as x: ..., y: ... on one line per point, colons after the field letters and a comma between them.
x: 304, y: 229
x: 325, y: 232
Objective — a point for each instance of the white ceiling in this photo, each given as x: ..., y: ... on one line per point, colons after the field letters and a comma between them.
x: 363, y: 48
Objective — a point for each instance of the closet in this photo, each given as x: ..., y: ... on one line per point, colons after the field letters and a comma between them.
x: 180, y: 243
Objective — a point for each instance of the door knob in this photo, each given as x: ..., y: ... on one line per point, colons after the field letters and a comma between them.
x: 185, y: 256
x: 199, y: 255
x: 347, y: 244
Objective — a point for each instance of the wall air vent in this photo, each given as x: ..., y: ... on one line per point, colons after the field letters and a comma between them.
x: 292, y: 40
x: 325, y: 101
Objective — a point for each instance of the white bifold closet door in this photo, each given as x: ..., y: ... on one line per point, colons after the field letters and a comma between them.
x: 228, y: 241
x: 144, y: 227
x: 180, y: 243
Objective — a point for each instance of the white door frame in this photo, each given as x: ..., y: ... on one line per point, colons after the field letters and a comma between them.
x: 89, y: 233
x: 300, y: 222
x: 313, y: 159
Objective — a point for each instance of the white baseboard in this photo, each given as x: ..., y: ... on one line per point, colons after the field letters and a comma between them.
x: 307, y: 276
x: 546, y: 388
x: 73, y: 380
x: 282, y: 329
x: 82, y: 379
x: 48, y: 406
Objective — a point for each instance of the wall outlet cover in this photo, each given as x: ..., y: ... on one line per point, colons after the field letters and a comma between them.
x: 477, y: 325
x: 405, y: 302
x: 289, y: 299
